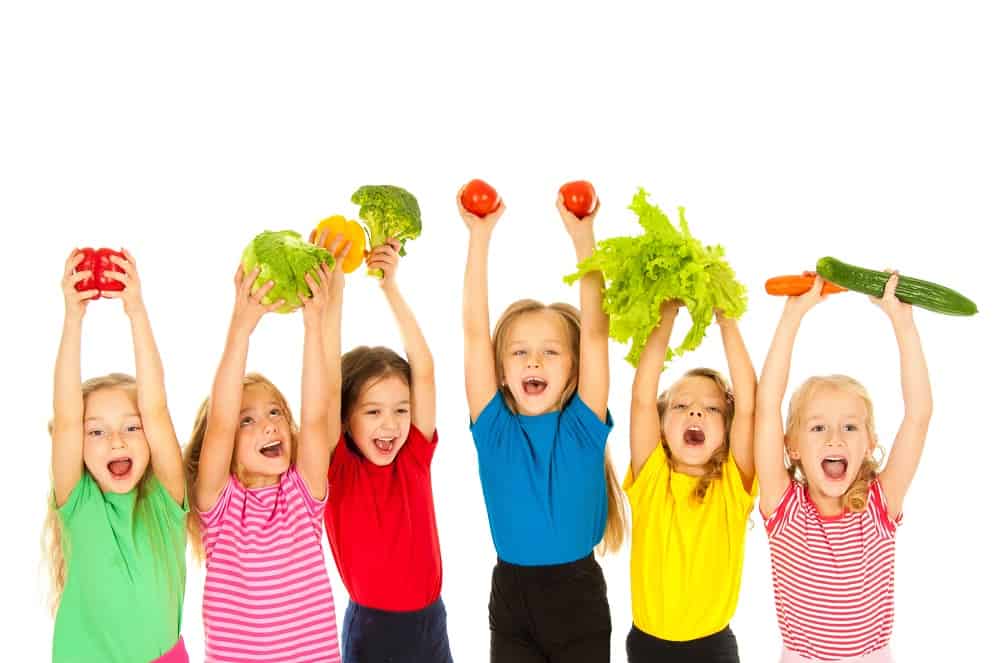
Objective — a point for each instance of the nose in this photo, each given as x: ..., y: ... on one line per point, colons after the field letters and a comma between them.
x: 695, y: 412
x: 117, y: 442
x: 535, y: 360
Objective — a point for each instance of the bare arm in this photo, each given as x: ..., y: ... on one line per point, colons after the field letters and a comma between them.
x: 769, y: 438
x: 422, y: 388
x: 67, y: 397
x: 480, y: 371
x: 741, y: 433
x: 644, y: 433
x: 332, y: 319
x: 917, y: 401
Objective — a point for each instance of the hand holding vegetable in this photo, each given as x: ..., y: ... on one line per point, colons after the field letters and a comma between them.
x: 579, y: 198
x: 331, y: 233
x: 75, y: 296
x: 284, y: 258
x: 799, y: 305
x: 476, y: 223
x: 579, y: 228
x: 896, y: 310
x: 480, y: 198
x: 385, y: 259
x: 249, y: 307
x: 322, y: 289
x: 131, y: 289
x: 98, y: 263
x: 388, y: 211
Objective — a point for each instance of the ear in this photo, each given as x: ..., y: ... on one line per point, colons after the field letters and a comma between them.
x: 792, y: 447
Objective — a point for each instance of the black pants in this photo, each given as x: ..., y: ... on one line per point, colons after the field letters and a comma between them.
x: 380, y: 636
x: 550, y: 614
x: 716, y: 648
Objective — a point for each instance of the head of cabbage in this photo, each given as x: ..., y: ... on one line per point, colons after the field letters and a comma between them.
x: 285, y: 258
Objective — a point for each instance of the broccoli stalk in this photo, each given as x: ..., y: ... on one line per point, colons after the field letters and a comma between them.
x: 387, y: 211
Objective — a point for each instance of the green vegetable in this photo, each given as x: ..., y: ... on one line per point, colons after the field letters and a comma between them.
x: 663, y: 263
x: 283, y: 257
x: 388, y: 211
x: 924, y: 294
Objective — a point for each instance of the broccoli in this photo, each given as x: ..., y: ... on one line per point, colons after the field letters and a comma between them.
x: 388, y: 211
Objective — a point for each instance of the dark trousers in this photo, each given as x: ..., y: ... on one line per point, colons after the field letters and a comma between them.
x: 716, y: 648
x: 380, y: 636
x: 550, y: 614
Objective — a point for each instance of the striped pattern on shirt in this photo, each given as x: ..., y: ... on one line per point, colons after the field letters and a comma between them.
x: 267, y: 595
x: 833, y: 576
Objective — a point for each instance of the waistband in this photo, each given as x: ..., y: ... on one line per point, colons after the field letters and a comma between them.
x: 881, y: 656
x: 177, y: 654
x: 435, y: 607
x: 547, y: 570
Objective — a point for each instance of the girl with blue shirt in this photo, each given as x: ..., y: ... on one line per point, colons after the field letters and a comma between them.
x: 538, y: 393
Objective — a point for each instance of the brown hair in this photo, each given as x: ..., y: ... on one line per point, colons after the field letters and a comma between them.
x: 363, y: 365
x: 713, y: 466
x: 192, y: 453
x: 614, y: 528
x: 55, y: 549
x: 855, y: 499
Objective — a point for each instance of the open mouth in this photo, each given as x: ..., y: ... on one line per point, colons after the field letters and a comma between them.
x: 834, y: 467
x: 694, y: 436
x: 271, y: 449
x: 534, y: 386
x: 384, y: 444
x: 120, y: 467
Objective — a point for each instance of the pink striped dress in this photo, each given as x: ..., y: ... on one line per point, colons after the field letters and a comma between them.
x: 833, y: 576
x: 267, y: 594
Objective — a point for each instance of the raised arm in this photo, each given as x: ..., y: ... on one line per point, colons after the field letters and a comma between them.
x: 164, y: 450
x: 769, y: 437
x: 227, y: 390
x: 480, y: 370
x: 917, y: 401
x: 744, y: 394
x: 644, y: 432
x: 422, y: 389
x: 313, y: 454
x: 67, y: 396
x: 332, y: 318
x: 592, y: 385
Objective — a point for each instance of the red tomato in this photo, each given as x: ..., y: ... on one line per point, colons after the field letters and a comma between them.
x: 579, y: 197
x: 480, y: 198
x: 99, y: 262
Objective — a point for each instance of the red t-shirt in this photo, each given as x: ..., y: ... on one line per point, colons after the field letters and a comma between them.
x: 381, y: 526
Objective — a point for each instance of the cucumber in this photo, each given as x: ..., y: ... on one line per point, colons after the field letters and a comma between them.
x: 924, y: 294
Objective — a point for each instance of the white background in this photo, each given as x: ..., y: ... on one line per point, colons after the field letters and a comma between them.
x: 789, y: 131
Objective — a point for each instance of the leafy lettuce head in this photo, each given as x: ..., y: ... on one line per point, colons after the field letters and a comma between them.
x: 388, y: 211
x: 283, y: 257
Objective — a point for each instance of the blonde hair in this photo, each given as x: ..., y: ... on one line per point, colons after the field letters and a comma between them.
x: 855, y: 499
x: 192, y: 453
x: 713, y: 466
x: 56, y: 549
x: 614, y: 527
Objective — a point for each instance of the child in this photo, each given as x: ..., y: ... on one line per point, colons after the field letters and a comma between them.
x: 831, y: 516
x: 691, y: 488
x: 259, y: 486
x: 116, y: 519
x: 380, y: 516
x: 538, y: 393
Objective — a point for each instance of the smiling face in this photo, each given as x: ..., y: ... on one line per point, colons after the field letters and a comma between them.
x: 115, y: 450
x: 694, y: 423
x: 830, y: 442
x: 264, y: 438
x: 379, y: 421
x: 537, y: 361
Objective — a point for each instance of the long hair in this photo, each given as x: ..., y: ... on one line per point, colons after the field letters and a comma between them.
x: 192, y: 454
x: 855, y: 499
x: 713, y: 466
x: 365, y: 364
x: 614, y: 528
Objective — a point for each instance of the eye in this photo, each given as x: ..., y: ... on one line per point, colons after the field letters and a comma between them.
x: 403, y: 410
x: 851, y: 427
x: 715, y: 409
x: 519, y: 353
x: 246, y: 421
x: 553, y: 353
x: 817, y: 428
x: 97, y: 432
x: 275, y: 412
x: 371, y: 412
x: 133, y: 428
x: 679, y: 406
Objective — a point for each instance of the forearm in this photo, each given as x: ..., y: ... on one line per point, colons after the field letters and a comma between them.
x: 475, y: 300
x: 594, y: 321
x: 915, y: 378
x: 418, y: 353
x: 315, y: 383
x: 67, y: 398
x: 332, y: 357
x: 774, y: 375
x: 645, y: 385
x: 148, y: 366
x: 740, y: 366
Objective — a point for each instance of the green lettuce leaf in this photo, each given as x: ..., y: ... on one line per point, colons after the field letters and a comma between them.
x: 283, y: 257
x: 663, y: 263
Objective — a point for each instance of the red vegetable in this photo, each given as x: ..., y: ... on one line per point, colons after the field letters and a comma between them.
x: 98, y: 261
x: 579, y: 197
x: 480, y: 198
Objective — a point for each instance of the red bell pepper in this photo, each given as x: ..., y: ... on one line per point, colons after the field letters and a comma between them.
x: 98, y: 262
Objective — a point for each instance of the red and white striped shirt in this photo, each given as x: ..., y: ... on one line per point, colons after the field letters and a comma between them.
x: 833, y: 576
x: 267, y: 594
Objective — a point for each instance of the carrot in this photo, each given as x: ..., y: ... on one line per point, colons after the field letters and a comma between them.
x: 790, y: 286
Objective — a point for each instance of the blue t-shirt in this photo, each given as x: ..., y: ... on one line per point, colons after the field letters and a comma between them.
x: 543, y: 481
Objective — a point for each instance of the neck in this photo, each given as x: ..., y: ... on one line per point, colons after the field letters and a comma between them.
x: 252, y: 480
x: 826, y: 505
x: 690, y: 470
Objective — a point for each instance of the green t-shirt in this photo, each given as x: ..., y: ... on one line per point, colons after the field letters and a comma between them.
x: 125, y: 573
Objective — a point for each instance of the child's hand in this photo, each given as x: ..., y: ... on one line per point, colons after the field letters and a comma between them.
x: 895, y: 309
x: 337, y: 278
x: 801, y: 304
x: 321, y: 285
x: 76, y: 302
x: 386, y: 258
x: 131, y: 295
x: 576, y: 227
x: 248, y: 309
x: 475, y: 223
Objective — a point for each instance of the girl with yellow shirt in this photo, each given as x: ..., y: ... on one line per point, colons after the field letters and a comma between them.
x: 691, y: 486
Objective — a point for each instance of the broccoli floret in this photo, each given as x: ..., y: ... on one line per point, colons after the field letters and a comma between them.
x: 388, y: 211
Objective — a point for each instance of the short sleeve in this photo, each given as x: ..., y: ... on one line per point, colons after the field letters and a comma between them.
x: 878, y: 506
x: 84, y: 491
x: 776, y: 522
x: 212, y: 517
x: 419, y: 446
x: 734, y: 484
x: 584, y: 424
x: 295, y: 482
x: 174, y: 511
x: 636, y: 487
x: 491, y: 421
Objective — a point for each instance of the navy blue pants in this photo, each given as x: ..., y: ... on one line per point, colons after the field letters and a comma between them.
x: 380, y: 636
x: 716, y: 648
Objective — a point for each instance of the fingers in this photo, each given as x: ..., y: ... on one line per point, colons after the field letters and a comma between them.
x: 258, y: 294
x: 890, y: 286
x: 275, y: 306
x: 84, y: 295
x: 394, y: 244
x: 74, y: 259
x: 75, y: 277
x: 244, y: 283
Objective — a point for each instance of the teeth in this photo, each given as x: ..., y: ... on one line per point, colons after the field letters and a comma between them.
x: 269, y: 445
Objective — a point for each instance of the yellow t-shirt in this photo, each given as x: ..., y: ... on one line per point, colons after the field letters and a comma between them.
x: 687, y: 557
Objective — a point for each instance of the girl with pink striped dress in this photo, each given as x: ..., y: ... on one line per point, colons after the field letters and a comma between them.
x: 831, y: 514
x: 259, y: 486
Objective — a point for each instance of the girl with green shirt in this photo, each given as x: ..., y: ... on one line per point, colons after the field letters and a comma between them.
x: 115, y: 531
x: 691, y: 486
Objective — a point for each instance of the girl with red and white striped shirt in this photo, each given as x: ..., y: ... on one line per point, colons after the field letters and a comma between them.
x: 259, y: 486
x: 831, y: 516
